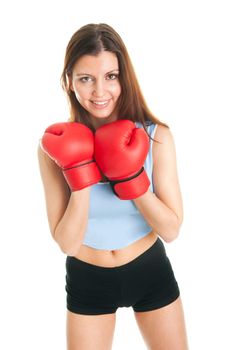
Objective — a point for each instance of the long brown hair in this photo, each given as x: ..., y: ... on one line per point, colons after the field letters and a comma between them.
x: 91, y: 39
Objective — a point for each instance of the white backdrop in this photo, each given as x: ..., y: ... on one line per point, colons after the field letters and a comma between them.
x: 182, y: 54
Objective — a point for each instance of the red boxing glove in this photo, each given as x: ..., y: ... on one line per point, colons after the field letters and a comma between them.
x: 120, y: 152
x: 71, y: 146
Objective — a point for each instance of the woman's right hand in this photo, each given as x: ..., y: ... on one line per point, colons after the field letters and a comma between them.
x: 71, y: 146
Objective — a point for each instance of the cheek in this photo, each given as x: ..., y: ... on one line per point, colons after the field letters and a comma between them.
x: 81, y: 94
x: 116, y: 90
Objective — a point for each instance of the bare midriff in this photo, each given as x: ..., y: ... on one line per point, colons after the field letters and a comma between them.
x: 111, y: 258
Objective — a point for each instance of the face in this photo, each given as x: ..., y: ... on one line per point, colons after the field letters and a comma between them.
x: 95, y: 82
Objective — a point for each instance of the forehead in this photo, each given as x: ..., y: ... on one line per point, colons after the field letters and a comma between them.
x: 104, y: 61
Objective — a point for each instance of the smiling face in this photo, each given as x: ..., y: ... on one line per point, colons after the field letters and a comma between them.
x: 95, y: 82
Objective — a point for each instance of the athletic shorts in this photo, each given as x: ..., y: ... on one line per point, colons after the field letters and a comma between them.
x: 145, y: 283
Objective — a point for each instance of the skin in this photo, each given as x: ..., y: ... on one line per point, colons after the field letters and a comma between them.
x: 162, y: 329
x: 100, y: 84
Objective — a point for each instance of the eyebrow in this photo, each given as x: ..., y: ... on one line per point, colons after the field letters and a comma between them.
x: 114, y: 70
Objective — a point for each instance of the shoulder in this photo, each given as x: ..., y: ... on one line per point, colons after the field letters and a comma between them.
x: 165, y: 142
x: 51, y: 175
x: 40, y: 153
x: 46, y: 164
x: 162, y: 133
x: 43, y: 158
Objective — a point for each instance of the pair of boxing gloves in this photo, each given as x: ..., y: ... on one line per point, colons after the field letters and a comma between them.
x: 118, y: 149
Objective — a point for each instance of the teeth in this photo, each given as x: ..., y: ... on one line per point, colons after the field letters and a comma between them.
x: 100, y: 103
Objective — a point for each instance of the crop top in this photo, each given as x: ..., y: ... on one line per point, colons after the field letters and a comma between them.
x: 114, y: 223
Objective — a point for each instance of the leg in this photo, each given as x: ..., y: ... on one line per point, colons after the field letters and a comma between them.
x: 164, y: 328
x: 92, y: 294
x: 90, y: 332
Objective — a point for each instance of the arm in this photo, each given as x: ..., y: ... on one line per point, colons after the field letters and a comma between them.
x: 67, y: 213
x: 163, y: 210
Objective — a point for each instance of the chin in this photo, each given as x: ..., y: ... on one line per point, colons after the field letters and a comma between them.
x: 103, y: 115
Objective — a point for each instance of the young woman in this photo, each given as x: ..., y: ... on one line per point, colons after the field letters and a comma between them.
x: 112, y: 197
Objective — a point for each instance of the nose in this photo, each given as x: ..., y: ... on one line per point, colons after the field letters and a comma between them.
x: 99, y: 88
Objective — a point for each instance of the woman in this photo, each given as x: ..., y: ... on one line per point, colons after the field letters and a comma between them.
x: 112, y: 195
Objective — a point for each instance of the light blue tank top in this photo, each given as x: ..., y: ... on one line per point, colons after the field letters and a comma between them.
x: 115, y: 223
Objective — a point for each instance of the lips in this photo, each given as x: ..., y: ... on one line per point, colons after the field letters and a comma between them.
x: 100, y: 104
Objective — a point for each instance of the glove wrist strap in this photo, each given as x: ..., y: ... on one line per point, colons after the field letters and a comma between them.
x: 132, y: 187
x: 82, y: 175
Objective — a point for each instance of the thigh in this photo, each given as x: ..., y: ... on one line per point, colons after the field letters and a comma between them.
x: 90, y: 332
x: 163, y: 328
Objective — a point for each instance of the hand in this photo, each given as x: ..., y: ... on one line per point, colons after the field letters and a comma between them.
x: 71, y: 146
x: 120, y: 152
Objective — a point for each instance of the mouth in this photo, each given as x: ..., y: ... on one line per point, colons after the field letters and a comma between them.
x: 100, y: 104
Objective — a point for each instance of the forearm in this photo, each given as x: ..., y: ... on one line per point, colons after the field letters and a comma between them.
x: 71, y: 228
x: 161, y: 218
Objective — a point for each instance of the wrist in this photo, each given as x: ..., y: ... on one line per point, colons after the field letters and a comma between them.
x: 79, y: 194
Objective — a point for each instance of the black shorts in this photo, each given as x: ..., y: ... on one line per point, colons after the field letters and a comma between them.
x: 145, y: 283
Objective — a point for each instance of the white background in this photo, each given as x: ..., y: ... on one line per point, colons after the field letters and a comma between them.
x: 182, y: 54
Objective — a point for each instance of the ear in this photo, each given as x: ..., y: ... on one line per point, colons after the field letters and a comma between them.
x: 69, y: 83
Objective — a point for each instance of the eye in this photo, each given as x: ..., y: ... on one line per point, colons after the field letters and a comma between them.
x: 84, y: 79
x: 115, y: 76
